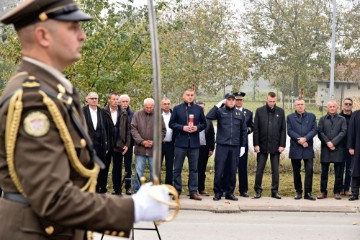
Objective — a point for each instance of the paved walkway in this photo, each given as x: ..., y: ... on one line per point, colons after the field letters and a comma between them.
x: 287, y: 204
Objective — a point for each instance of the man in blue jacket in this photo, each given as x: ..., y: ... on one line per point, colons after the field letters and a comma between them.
x: 231, y: 135
x: 301, y: 128
x: 187, y: 121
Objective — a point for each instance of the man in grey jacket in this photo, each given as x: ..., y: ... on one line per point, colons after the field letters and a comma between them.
x: 331, y: 131
x: 142, y: 130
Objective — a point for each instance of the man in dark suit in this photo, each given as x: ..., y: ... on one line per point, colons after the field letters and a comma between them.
x: 98, y: 131
x: 353, y: 143
x: 301, y: 128
x: 269, y: 139
x: 331, y: 131
x: 187, y: 120
x: 119, y: 132
x: 207, y: 146
x: 243, y: 160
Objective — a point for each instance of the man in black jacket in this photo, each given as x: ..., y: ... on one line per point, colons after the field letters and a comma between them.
x: 269, y: 138
x: 124, y: 103
x: 98, y: 131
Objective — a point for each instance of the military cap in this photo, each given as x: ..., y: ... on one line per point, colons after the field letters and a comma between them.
x: 30, y: 11
x: 229, y: 95
x: 239, y: 95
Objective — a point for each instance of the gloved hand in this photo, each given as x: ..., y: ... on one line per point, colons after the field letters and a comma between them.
x: 242, y: 151
x: 146, y: 207
x: 219, y: 104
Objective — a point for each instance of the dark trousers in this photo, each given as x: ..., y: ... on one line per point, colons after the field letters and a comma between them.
x: 261, y: 163
x: 355, y: 185
x: 202, y: 163
x: 128, y: 164
x: 226, y: 162
x: 103, y: 175
x: 338, y: 166
x: 192, y: 155
x: 168, y: 155
x: 243, y: 172
x: 117, y: 171
x: 347, y: 169
x: 308, y: 165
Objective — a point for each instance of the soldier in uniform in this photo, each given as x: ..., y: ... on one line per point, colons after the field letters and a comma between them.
x: 48, y: 169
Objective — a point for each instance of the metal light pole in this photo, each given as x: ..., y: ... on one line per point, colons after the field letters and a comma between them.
x: 332, y: 71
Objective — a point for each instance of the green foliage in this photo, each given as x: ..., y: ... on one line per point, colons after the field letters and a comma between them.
x: 294, y: 35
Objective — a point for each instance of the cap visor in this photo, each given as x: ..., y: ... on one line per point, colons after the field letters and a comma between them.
x: 74, y: 16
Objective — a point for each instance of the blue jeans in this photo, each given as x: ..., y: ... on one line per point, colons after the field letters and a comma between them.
x: 192, y: 154
x: 140, y: 162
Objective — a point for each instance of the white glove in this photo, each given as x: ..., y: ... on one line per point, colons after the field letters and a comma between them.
x: 242, y: 151
x: 146, y: 207
x: 219, y: 104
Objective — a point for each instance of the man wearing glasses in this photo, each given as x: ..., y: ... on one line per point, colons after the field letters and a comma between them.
x: 243, y: 160
x: 346, y: 113
x: 98, y: 131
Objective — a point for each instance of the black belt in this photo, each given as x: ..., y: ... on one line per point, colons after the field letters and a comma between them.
x: 167, y: 142
x: 16, y: 197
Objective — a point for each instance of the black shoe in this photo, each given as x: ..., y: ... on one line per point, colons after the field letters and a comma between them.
x: 128, y: 191
x: 217, y: 197
x: 257, y: 195
x: 244, y: 194
x: 116, y: 193
x: 276, y: 195
x: 309, y: 196
x: 231, y: 197
x: 298, y: 196
x: 353, y: 198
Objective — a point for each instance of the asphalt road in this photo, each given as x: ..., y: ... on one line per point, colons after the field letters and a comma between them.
x: 203, y: 225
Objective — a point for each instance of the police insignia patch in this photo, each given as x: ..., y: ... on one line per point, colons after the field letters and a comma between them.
x: 36, y: 124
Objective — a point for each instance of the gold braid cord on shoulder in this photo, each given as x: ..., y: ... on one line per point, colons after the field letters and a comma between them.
x: 12, y: 128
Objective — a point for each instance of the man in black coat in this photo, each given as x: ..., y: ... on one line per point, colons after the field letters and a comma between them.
x: 353, y: 143
x: 301, y: 128
x: 124, y: 103
x: 331, y: 131
x: 346, y: 113
x: 243, y: 160
x: 269, y: 139
x: 98, y: 131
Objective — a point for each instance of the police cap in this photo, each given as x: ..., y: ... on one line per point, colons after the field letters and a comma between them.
x: 229, y: 95
x: 30, y: 11
x: 239, y: 95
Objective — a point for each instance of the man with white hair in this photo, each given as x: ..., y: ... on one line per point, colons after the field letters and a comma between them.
x: 331, y: 131
x: 124, y: 103
x: 98, y: 130
x: 142, y: 130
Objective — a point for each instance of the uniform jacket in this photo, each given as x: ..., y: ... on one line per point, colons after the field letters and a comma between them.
x: 231, y: 128
x: 179, y: 119
x: 49, y: 181
x: 142, y: 128
x: 249, y: 122
x: 269, y: 129
x: 120, y: 133
x: 353, y: 141
x: 333, y: 131
x: 100, y: 136
x: 301, y: 126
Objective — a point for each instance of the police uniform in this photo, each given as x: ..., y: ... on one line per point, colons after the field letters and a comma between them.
x: 243, y: 160
x: 47, y: 169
